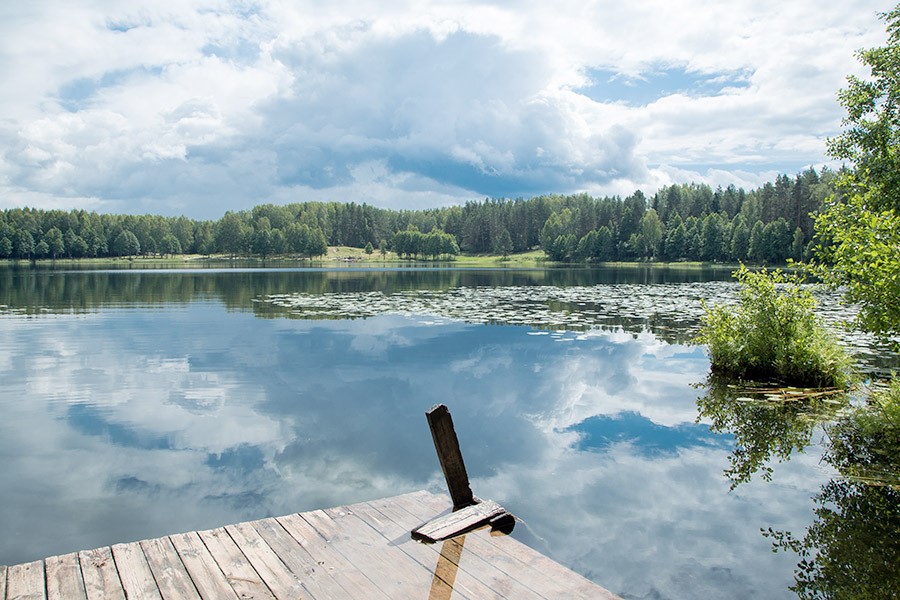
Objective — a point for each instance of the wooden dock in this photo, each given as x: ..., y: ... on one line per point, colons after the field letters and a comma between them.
x: 360, y: 551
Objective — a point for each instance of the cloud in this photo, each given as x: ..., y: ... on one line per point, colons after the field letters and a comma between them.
x: 204, y: 105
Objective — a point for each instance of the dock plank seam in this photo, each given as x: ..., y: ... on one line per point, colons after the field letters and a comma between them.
x: 137, y: 578
x: 362, y: 550
x: 504, y: 561
x: 100, y: 575
x: 172, y: 578
x: 540, y: 567
x: 444, y: 581
x: 395, y: 575
x: 497, y: 561
x: 480, y: 582
x: 357, y: 583
x: 270, y: 567
x: 64, y: 579
x: 329, y: 531
x: 27, y: 581
x: 234, y: 565
x: 317, y: 581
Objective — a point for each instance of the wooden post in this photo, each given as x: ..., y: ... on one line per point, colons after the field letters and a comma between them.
x: 447, y: 446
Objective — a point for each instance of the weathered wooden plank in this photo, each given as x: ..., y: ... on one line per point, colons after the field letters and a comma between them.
x: 343, y: 571
x: 26, y: 581
x: 171, y: 577
x: 446, y: 582
x: 278, y: 578
x: 137, y: 578
x: 323, y: 524
x: 461, y: 521
x: 238, y: 573
x: 447, y: 568
x: 474, y: 562
x: 513, y: 558
x: 440, y: 560
x: 447, y: 446
x: 202, y: 567
x: 64, y: 580
x: 469, y: 571
x: 315, y: 579
x: 101, y: 579
x: 397, y: 575
x: 361, y: 551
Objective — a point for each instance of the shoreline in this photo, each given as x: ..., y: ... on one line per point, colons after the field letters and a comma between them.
x: 342, y: 256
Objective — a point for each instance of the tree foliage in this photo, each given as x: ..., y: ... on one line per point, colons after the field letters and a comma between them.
x: 860, y: 226
x: 679, y: 222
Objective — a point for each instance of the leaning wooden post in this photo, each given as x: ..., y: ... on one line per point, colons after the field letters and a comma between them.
x: 468, y: 512
x: 447, y: 446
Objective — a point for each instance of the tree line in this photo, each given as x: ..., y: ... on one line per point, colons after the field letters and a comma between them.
x: 679, y: 222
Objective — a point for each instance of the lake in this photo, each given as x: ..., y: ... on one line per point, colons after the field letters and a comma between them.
x: 138, y: 403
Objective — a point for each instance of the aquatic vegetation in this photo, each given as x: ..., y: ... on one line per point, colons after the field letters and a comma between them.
x: 773, y: 334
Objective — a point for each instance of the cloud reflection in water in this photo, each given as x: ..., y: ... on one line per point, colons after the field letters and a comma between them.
x: 140, y: 423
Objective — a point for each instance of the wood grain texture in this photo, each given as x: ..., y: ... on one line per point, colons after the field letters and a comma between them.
x: 101, y: 578
x: 445, y: 582
x: 450, y: 456
x: 514, y: 558
x: 26, y: 581
x: 458, y: 522
x: 394, y: 573
x: 64, y: 579
x: 317, y: 581
x: 276, y: 575
x: 134, y: 572
x: 363, y: 551
x: 342, y: 570
x: 466, y: 571
x: 171, y: 577
x: 230, y: 561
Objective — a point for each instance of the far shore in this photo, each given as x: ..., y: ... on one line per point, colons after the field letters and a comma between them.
x: 342, y: 256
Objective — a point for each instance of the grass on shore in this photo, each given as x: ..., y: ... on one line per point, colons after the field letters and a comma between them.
x: 346, y: 255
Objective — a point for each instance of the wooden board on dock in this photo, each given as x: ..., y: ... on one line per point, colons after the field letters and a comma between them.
x: 359, y: 551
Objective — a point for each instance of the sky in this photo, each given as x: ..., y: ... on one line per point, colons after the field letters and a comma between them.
x: 196, y: 107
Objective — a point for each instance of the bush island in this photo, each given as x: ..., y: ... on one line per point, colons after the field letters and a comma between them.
x: 773, y: 334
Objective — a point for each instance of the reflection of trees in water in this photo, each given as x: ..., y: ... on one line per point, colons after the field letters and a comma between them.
x: 658, y: 299
x: 766, y: 422
x: 852, y: 548
x: 35, y: 289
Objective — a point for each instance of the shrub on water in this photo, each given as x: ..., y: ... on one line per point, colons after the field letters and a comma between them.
x: 773, y: 333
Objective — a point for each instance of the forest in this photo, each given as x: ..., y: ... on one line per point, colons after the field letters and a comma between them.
x: 684, y: 222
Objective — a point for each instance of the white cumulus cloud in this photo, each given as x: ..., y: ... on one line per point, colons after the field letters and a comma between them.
x: 198, y: 106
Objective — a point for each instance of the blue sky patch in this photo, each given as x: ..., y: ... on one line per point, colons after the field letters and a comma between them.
x: 243, y: 52
x: 602, y: 431
x: 610, y: 86
x: 470, y: 177
x: 120, y: 26
x: 76, y: 94
x: 90, y: 420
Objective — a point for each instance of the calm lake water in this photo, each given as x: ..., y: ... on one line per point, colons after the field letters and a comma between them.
x: 138, y: 403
